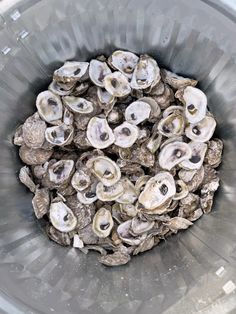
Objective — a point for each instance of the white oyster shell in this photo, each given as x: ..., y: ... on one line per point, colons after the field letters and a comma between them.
x: 60, y: 171
x: 61, y: 89
x: 172, y: 109
x: 109, y: 193
x: 80, y: 180
x: 68, y: 117
x: 181, y: 190
x: 198, y: 153
x: 146, y: 73
x: 99, y: 133
x: 173, y: 154
x: 62, y: 217
x: 201, y: 131
x: 88, y: 196
x: 172, y: 125
x: 126, y: 135
x: 195, y: 104
x: 78, y: 104
x: 71, y: 71
x: 103, y: 223
x: 137, y: 112
x: 139, y: 227
x: 105, y: 170
x: 124, y: 234
x: 130, y: 193
x: 155, y: 108
x: 124, y: 61
x: 117, y: 84
x: 97, y: 72
x: 49, y: 107
x: 59, y: 135
x: 105, y: 97
x: 176, y: 81
x: 158, y: 190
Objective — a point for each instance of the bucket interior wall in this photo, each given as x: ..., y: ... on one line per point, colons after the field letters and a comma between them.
x: 192, y: 271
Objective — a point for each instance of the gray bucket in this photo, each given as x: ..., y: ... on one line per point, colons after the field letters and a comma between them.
x: 192, y: 272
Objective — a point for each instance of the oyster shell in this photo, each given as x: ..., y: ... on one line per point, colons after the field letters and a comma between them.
x: 102, y: 223
x: 206, y: 202
x: 193, y: 178
x: 61, y: 171
x: 171, y: 126
x: 99, y: 133
x: 61, y: 89
x: 129, y: 194
x: 129, y: 210
x: 173, y: 109
x: 181, y: 190
x: 88, y: 196
x: 68, y: 117
x: 141, y: 182
x: 105, y: 170
x: 62, y: 217
x: 188, y: 204
x: 115, y: 259
x: 81, y: 141
x: 178, y: 223
x: 35, y: 156
x: 126, y: 134
x: 33, y: 131
x: 197, y: 157
x: 166, y: 98
x: 156, y: 90
x: 115, y: 116
x: 49, y: 107
x: 139, y: 226
x: 80, y: 88
x: 71, y: 71
x: 59, y: 135
x: 144, y: 135
x: 155, y: 108
x: 117, y: 84
x: 77, y: 242
x: 195, y: 104
x: 109, y: 193
x: 124, y: 61
x: 137, y: 112
x: 154, y: 142
x: 25, y: 178
x: 106, y: 100
x: 146, y: 73
x: 157, y: 190
x: 173, y: 154
x: 124, y: 234
x: 81, y: 180
x: 145, y: 245
x: 87, y: 235
x: 78, y: 104
x: 98, y: 71
x: 214, y: 152
x: 84, y: 213
x: 176, y: 81
x: 201, y: 131
x: 140, y: 155
x: 18, y: 136
x: 195, y: 215
x: 61, y: 238
x: 41, y: 202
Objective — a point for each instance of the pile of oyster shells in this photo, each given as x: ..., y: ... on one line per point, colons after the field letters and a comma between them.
x: 119, y: 155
